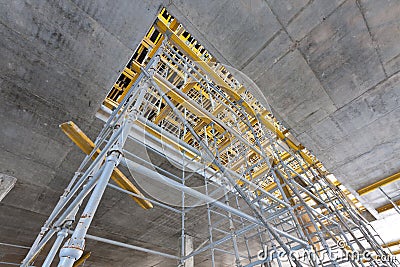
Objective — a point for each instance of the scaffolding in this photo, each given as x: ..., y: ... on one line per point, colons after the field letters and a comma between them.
x: 391, y: 200
x: 266, y: 200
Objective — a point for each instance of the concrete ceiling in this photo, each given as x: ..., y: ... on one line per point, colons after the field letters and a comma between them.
x: 328, y: 68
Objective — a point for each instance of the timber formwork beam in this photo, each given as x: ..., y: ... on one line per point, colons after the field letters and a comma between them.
x: 372, y: 187
x: 87, y: 145
x: 387, y: 207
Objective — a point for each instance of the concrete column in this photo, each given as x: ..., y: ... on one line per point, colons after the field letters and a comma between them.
x: 189, y: 249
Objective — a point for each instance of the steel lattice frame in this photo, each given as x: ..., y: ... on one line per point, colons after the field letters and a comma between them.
x: 275, y: 195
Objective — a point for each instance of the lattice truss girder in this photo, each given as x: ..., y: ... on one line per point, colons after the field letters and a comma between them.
x: 260, y: 189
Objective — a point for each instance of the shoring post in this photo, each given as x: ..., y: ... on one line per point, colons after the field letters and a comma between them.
x: 61, y: 235
x: 73, y: 248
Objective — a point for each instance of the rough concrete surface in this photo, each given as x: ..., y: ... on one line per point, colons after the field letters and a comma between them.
x: 329, y: 68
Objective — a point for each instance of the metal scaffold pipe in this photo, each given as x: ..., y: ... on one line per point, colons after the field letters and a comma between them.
x: 207, y: 199
x: 73, y: 248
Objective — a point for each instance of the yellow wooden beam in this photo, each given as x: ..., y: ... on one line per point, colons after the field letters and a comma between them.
x: 388, y: 180
x: 82, y: 259
x: 270, y: 126
x: 164, y: 112
x: 155, y: 48
x: 223, y: 85
x: 87, y: 145
x: 182, y: 101
x: 391, y: 244
x: 388, y: 206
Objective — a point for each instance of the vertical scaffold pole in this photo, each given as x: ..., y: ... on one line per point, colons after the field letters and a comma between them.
x: 73, y: 249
